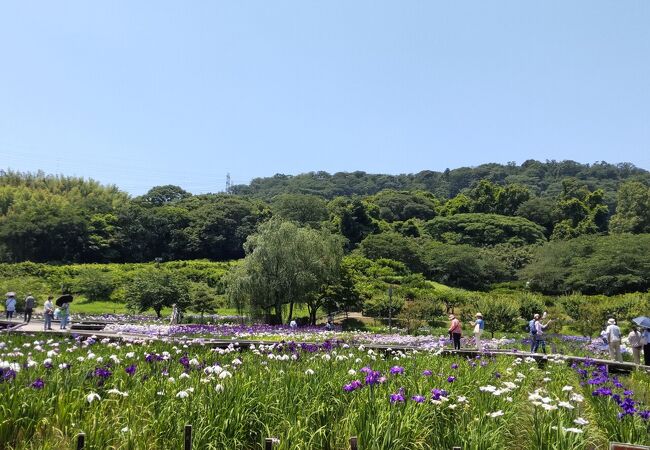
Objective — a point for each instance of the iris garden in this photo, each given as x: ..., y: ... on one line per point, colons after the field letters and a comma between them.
x: 140, y: 394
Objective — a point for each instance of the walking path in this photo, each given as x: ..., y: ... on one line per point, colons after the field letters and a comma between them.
x: 36, y: 326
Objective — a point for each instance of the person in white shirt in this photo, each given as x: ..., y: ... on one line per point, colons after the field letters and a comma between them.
x: 48, y: 313
x: 614, y: 340
x: 637, y: 341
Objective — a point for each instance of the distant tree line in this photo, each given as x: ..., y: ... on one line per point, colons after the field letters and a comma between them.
x: 558, y: 226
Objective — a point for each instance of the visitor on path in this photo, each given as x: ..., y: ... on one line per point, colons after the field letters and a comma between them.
x: 48, y: 313
x: 646, y: 347
x: 329, y: 326
x: 540, y: 339
x: 636, y: 341
x: 532, y: 329
x: 175, y: 319
x: 293, y: 324
x: 29, y: 307
x: 479, y: 326
x: 613, y: 333
x: 455, y: 331
x: 10, y: 306
x: 64, y: 315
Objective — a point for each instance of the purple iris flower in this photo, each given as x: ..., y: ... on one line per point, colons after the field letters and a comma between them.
x: 602, y: 392
x: 353, y: 386
x: 131, y: 369
x: 7, y: 374
x: 397, y: 398
x: 374, y: 377
x: 451, y: 379
x: 103, y: 372
x: 395, y: 370
x: 38, y: 384
x: 418, y: 398
x: 454, y: 366
x: 645, y: 415
x: 437, y: 393
x: 427, y: 373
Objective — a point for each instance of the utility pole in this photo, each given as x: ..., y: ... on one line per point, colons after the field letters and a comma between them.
x: 228, y: 184
x: 390, y: 309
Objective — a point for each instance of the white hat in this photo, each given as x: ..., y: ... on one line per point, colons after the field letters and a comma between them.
x: 611, y: 321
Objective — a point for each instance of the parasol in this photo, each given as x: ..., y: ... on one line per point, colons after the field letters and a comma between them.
x: 65, y: 298
x: 642, y: 321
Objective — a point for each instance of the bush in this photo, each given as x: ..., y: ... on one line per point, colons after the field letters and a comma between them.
x: 95, y: 284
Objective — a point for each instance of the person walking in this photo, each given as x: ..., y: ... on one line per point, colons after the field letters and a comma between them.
x: 646, y: 347
x: 64, y: 315
x: 48, y: 313
x: 29, y: 308
x: 479, y: 326
x: 540, y: 339
x: 10, y: 306
x: 613, y: 333
x: 455, y: 331
x: 636, y: 341
x: 532, y: 329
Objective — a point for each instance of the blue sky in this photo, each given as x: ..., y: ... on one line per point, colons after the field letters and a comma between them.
x: 141, y: 93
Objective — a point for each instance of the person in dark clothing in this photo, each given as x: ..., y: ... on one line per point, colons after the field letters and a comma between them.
x: 29, y: 307
x: 455, y: 331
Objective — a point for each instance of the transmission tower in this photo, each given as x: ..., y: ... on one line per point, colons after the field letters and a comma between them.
x: 228, y: 184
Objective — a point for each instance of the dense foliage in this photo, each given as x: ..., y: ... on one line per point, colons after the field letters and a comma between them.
x: 468, y: 228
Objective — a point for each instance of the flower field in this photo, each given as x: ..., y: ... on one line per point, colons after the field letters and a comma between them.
x: 559, y: 344
x: 140, y: 394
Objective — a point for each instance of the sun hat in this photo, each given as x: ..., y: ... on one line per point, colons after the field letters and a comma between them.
x: 451, y: 317
x: 479, y: 315
x: 611, y: 321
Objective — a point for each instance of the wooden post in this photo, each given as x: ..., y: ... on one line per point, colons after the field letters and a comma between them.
x: 81, y: 441
x: 268, y: 444
x: 353, y: 443
x: 188, y: 437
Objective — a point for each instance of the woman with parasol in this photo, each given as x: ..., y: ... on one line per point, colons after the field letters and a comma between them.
x: 64, y: 314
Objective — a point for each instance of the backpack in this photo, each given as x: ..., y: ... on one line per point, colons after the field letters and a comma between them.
x: 531, y: 327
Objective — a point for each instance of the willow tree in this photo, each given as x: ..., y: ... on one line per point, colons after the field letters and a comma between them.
x: 284, y: 265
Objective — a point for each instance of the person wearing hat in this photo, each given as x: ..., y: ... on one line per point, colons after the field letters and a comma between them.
x: 455, y: 331
x: 613, y: 333
x: 479, y: 325
x: 10, y: 305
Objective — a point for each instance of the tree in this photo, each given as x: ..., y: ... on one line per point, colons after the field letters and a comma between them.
x: 591, y: 264
x: 202, y: 299
x: 484, y: 229
x: 161, y: 195
x: 95, y: 284
x: 284, y: 265
x: 394, y: 246
x: 303, y: 209
x: 499, y: 312
x: 350, y: 219
x: 391, y: 205
x: 633, y: 209
x: 587, y: 313
x: 157, y: 288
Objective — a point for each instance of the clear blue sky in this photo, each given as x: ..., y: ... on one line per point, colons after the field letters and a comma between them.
x: 141, y: 93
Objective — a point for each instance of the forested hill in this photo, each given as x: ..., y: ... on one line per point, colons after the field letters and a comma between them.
x: 469, y: 228
x: 542, y: 178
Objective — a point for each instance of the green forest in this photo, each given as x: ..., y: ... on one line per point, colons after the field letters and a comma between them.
x: 551, y: 228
